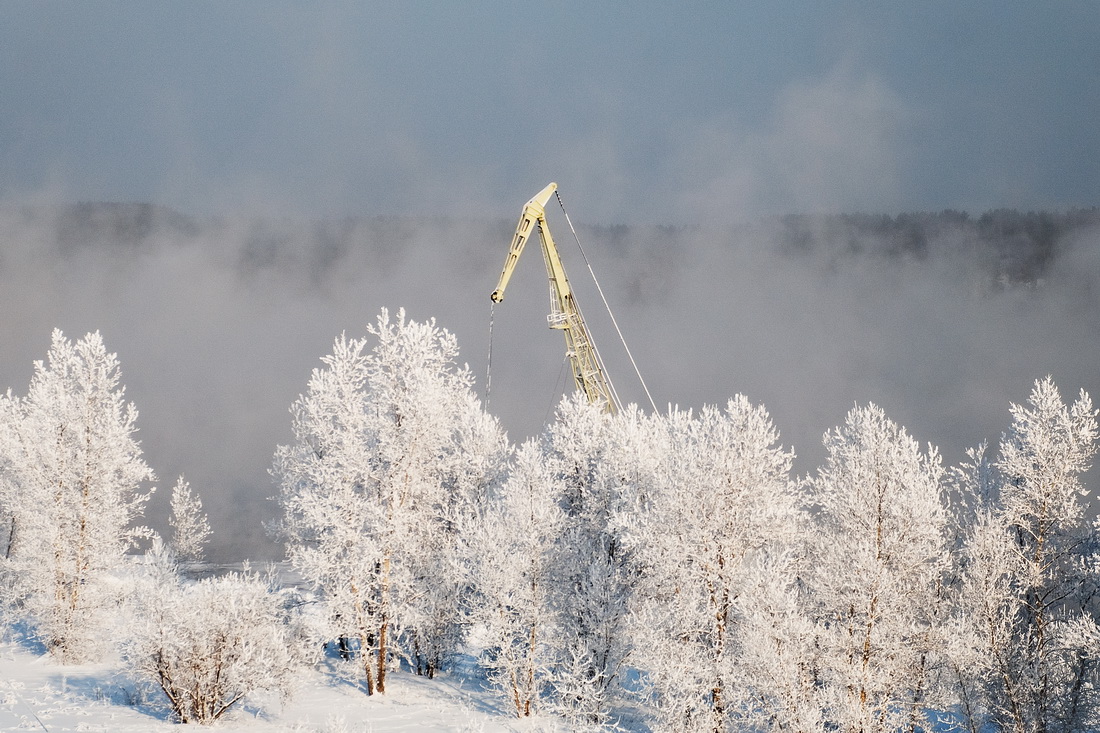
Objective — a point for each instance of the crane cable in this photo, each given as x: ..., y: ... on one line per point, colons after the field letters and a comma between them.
x: 606, y: 305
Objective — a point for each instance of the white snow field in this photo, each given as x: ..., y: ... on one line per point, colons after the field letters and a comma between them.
x: 37, y: 694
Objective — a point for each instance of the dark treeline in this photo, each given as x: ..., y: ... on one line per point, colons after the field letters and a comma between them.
x: 1014, y: 247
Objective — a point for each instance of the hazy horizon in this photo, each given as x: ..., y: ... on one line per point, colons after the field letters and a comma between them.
x: 218, y: 322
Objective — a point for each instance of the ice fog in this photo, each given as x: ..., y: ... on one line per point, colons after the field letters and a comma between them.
x: 219, y: 320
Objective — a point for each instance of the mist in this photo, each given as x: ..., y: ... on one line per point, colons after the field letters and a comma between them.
x: 218, y: 321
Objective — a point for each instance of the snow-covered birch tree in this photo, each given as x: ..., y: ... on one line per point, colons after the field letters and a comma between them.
x: 9, y: 500
x: 74, y: 479
x: 1028, y: 645
x: 514, y: 578
x: 370, y: 486
x: 592, y: 458
x: 723, y: 500
x: 9, y: 488
x: 779, y: 647
x: 878, y: 562
x: 592, y: 575
x: 435, y: 624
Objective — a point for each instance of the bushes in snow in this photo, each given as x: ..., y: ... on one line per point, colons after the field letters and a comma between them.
x: 207, y: 644
x: 71, y: 474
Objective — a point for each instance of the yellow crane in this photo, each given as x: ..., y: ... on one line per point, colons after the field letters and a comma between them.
x: 588, y: 371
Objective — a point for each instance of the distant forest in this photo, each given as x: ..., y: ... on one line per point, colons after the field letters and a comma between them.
x: 1015, y: 246
x: 1012, y: 246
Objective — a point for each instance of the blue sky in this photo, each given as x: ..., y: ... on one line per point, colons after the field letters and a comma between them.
x: 643, y: 111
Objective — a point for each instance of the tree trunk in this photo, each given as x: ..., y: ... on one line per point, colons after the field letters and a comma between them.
x: 380, y: 685
x: 11, y: 539
x: 364, y: 638
x: 383, y: 628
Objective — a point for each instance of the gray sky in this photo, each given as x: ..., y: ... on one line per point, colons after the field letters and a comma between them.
x: 646, y: 111
x: 259, y: 118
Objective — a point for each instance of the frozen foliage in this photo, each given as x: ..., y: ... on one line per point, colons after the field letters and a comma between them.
x: 444, y: 553
x: 879, y: 559
x: 391, y: 456
x: 780, y: 648
x: 73, y: 473
x: 553, y: 578
x: 592, y: 579
x: 1027, y: 646
x: 722, y: 501
x: 206, y: 645
x: 190, y: 528
x: 9, y: 486
x: 516, y: 561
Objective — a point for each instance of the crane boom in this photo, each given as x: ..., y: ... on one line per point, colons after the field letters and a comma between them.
x: 565, y: 315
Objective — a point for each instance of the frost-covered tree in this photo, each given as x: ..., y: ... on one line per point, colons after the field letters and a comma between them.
x: 73, y: 476
x: 723, y: 500
x: 553, y: 576
x: 330, y: 520
x: 514, y: 578
x: 434, y: 623
x: 878, y: 561
x: 190, y: 528
x: 9, y: 416
x: 1028, y: 644
x: 207, y: 644
x: 779, y: 647
x: 9, y: 501
x: 377, y: 482
x: 593, y: 581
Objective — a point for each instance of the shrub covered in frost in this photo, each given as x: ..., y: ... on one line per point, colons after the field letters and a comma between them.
x: 208, y: 644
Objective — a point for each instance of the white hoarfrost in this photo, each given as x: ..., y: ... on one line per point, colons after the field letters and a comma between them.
x: 591, y: 579
x: 205, y: 645
x: 628, y: 571
x: 72, y: 488
x: 879, y: 558
x: 516, y: 550
x: 390, y: 459
x: 190, y: 528
x: 721, y: 502
x: 1027, y: 647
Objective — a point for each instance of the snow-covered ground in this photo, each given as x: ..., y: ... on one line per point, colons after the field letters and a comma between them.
x: 38, y: 695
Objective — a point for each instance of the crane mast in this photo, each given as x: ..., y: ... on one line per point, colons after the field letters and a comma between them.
x: 565, y: 315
